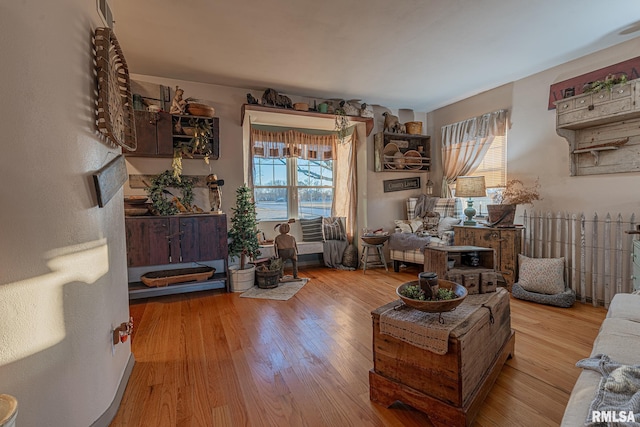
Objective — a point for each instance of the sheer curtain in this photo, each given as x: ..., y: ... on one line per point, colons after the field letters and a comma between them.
x: 465, y: 143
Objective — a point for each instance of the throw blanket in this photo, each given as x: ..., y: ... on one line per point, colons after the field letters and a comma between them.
x: 332, y: 252
x: 424, y: 204
x: 619, y: 389
x: 423, y: 330
x: 407, y: 241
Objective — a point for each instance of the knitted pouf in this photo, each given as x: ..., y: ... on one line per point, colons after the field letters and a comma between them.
x: 564, y: 299
x: 350, y: 256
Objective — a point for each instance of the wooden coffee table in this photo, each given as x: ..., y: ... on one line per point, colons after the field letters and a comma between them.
x: 449, y: 388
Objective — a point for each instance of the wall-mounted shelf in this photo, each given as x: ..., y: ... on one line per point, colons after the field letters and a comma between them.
x: 401, y: 152
x: 602, y: 129
x: 246, y: 108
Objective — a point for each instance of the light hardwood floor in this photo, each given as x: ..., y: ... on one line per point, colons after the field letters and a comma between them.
x: 215, y: 359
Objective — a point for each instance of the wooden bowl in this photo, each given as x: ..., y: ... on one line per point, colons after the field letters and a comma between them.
x: 203, y: 110
x: 435, y: 306
x: 375, y: 240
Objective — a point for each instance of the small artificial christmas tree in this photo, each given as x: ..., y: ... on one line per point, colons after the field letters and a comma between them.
x: 244, y: 227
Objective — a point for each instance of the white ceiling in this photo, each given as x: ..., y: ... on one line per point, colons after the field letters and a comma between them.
x: 418, y: 54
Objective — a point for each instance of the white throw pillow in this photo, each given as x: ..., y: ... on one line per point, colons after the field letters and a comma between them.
x: 409, y: 225
x: 541, y: 275
x: 446, y: 224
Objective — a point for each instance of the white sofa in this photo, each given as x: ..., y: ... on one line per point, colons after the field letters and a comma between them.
x: 619, y: 338
x: 447, y: 208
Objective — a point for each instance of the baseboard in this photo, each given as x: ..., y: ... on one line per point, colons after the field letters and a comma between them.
x: 107, y: 416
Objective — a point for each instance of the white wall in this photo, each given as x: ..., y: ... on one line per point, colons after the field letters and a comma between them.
x: 536, y: 151
x: 62, y: 258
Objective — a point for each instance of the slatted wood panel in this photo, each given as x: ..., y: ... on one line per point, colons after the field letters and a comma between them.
x: 215, y: 359
x: 597, y: 251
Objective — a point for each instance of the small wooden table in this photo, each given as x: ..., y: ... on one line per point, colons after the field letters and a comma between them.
x: 449, y: 388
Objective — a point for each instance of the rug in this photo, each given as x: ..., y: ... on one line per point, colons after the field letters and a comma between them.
x: 282, y: 292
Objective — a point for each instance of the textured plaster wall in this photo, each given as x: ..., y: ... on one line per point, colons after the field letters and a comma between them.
x: 62, y: 259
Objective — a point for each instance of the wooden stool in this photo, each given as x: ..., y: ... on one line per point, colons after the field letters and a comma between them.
x: 378, y: 256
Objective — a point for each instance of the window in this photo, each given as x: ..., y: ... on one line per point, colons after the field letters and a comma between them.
x: 292, y: 187
x: 494, y: 169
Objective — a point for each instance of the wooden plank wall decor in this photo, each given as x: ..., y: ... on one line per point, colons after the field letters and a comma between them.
x: 109, y: 179
x: 597, y: 251
x: 630, y: 67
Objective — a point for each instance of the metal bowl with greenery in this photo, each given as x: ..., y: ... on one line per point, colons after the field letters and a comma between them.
x: 437, y: 306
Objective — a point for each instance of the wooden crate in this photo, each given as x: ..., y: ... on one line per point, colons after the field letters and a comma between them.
x: 449, y: 387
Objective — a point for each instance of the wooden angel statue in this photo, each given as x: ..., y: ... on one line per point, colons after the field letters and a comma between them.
x: 178, y: 104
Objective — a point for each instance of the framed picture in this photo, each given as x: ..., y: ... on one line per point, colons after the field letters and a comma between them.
x: 401, y: 184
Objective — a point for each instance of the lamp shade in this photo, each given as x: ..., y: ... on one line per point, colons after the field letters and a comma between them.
x: 470, y: 186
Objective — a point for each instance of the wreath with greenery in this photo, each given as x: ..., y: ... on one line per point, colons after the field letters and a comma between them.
x: 158, y: 193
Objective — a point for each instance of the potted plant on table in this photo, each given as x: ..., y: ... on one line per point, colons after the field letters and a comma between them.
x: 244, y: 240
x: 515, y: 193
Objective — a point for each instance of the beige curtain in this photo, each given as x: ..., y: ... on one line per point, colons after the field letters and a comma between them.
x: 465, y: 143
x: 293, y: 143
x: 346, y: 183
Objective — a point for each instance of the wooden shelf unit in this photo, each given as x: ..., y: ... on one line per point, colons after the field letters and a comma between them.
x: 418, y: 145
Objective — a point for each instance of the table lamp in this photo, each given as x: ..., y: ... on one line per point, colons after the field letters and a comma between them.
x: 470, y: 186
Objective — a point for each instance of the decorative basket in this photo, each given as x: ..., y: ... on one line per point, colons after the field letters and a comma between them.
x: 501, y: 215
x: 414, y: 128
x: 267, y: 279
x: 203, y: 110
x: 301, y: 106
x: 161, y: 278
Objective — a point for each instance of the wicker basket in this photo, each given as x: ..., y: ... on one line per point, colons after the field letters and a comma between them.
x: 267, y: 279
x: 414, y: 128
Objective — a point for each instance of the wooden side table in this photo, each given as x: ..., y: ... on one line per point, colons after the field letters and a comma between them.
x: 478, y: 275
x: 377, y: 255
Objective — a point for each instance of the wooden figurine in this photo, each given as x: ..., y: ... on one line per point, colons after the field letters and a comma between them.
x: 178, y: 104
x: 390, y: 122
x: 286, y: 248
x: 215, y: 193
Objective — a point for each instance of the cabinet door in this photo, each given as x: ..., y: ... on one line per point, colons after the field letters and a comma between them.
x: 153, y: 134
x: 510, y: 246
x: 203, y: 238
x: 147, y: 242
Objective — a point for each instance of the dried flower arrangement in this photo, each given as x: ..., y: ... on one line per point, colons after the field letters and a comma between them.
x: 515, y: 193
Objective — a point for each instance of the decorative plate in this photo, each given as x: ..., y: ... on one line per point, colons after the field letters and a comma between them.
x: 115, y: 103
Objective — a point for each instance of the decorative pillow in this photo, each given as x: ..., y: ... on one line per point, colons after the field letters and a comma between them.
x: 446, y: 207
x: 541, y: 275
x: 430, y: 223
x: 446, y: 224
x: 333, y: 228
x: 409, y: 225
x: 311, y: 229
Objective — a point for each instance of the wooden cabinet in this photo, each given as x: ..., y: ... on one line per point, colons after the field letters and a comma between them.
x: 400, y: 152
x: 153, y: 133
x: 167, y: 240
x: 186, y: 122
x: 506, y: 242
x: 156, y: 136
x: 471, y: 266
x: 602, y: 129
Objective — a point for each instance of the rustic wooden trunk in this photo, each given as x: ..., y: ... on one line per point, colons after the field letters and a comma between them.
x: 450, y: 387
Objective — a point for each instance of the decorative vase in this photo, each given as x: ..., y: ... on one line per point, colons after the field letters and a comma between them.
x: 242, y: 280
x: 501, y: 215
